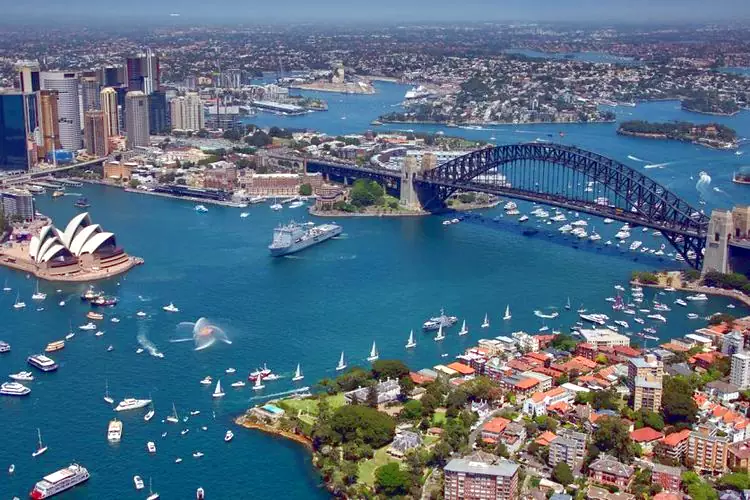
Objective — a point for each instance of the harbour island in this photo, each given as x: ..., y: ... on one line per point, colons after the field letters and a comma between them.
x: 710, y: 135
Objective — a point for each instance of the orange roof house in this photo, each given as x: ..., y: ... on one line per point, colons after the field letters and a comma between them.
x: 461, y: 368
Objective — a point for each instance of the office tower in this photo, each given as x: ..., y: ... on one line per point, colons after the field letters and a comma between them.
x: 68, y: 106
x: 143, y: 72
x: 28, y: 76
x: 136, y: 119
x: 233, y: 78
x: 90, y: 93
x: 739, y: 374
x: 121, y: 93
x: 111, y: 76
x: 108, y: 101
x: 158, y: 121
x: 95, y: 133
x: 48, y: 122
x: 18, y: 122
x: 187, y: 112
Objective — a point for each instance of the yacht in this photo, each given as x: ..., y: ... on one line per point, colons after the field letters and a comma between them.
x: 697, y: 297
x: 565, y: 228
x: 42, y: 362
x: 373, y: 353
x: 138, y: 482
x: 507, y: 315
x: 670, y: 289
x: 37, y: 294
x: 463, y: 330
x: 218, y: 391
x: 87, y: 326
x: 194, y: 412
x: 197, y: 454
x: 150, y: 414
x: 132, y: 404
x: 171, y: 308
x: 239, y: 383
x: 681, y: 302
x: 115, y: 320
x: 99, y: 333
x: 622, y: 235
x: 41, y: 449
x: 608, y: 221
x: 599, y: 319
x: 200, y: 494
x: 523, y: 218
x: 151, y: 447
x: 657, y: 317
x: 139, y: 350
x: 411, y: 342
x: 177, y: 460
x: 640, y: 321
x: 152, y: 495
x: 342, y: 363
x: 635, y: 245
x: 297, y: 374
x: 296, y: 204
x: 244, y: 215
x: 6, y: 288
x: 22, y: 376
x: 200, y: 209
x: 173, y: 418
x: 141, y: 314
x: 70, y: 336
x: 259, y: 382
x: 486, y: 322
x: 730, y: 306
x: 276, y: 207
x: 228, y: 436
x: 692, y: 316
x: 207, y: 380
x: 594, y: 236
x: 440, y: 336
x: 4, y: 347
x: 19, y: 304
x: 114, y: 431
x: 622, y: 323
x: 230, y: 371
x: 14, y: 389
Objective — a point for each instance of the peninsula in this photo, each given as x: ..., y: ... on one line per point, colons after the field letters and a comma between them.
x: 711, y: 135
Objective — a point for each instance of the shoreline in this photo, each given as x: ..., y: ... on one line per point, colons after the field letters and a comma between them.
x: 665, y: 137
x: 26, y: 267
x: 712, y: 113
x: 242, y: 421
x: 340, y: 213
x: 488, y: 124
x: 723, y: 292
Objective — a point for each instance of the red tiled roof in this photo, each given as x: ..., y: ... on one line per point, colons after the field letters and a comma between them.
x: 419, y: 379
x: 545, y: 438
x: 664, y: 495
x: 676, y: 437
x: 538, y: 356
x: 645, y: 435
x: 461, y: 368
x: 560, y: 406
x: 527, y: 383
x: 496, y: 425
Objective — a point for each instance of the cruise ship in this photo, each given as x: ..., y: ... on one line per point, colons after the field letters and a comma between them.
x: 14, y: 389
x: 132, y: 404
x: 294, y: 237
x: 42, y: 362
x: 59, y: 481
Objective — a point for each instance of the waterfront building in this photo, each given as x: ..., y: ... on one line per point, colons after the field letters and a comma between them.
x: 108, y: 101
x: 739, y: 374
x: 467, y: 479
x: 187, y: 112
x: 90, y: 93
x: 118, y: 170
x: 136, y: 119
x: 220, y: 175
x: 403, y: 442
x: 18, y: 123
x: 609, y: 471
x: 49, y: 123
x: 158, y: 118
x: 276, y: 184
x: 18, y: 203
x: 603, y: 337
x: 386, y: 391
x: 68, y: 106
x: 95, y: 136
x: 28, y: 76
x: 569, y: 446
x: 707, y: 451
x: 327, y: 196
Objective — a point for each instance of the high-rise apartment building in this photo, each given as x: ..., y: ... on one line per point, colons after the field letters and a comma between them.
x: 49, y: 124
x: 187, y: 112
x: 739, y: 374
x: 108, y: 101
x: 474, y: 480
x: 136, y: 119
x: 707, y: 451
x: 18, y: 123
x: 68, y: 106
x: 17, y: 203
x: 158, y: 116
x: 95, y: 133
x: 569, y: 447
x: 645, y: 382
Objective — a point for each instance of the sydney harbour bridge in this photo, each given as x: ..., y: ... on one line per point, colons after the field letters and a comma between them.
x: 551, y: 174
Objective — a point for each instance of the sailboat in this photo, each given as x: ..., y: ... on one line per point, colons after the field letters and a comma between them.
x: 373, y: 353
x: 38, y: 295
x: 19, y: 304
x: 258, y: 383
x: 173, y: 418
x: 567, y: 305
x: 41, y: 448
x: 486, y: 322
x: 507, y: 315
x: 440, y: 335
x: 6, y: 288
x: 107, y: 397
x: 218, y: 392
x: 463, y: 330
x: 342, y: 363
x: 298, y: 374
x: 152, y: 495
x: 411, y: 343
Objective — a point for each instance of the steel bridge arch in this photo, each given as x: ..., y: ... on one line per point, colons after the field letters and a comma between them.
x: 639, y: 200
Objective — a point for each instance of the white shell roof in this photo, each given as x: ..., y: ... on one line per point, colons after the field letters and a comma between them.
x: 72, y: 227
x: 93, y: 244
x: 82, y: 237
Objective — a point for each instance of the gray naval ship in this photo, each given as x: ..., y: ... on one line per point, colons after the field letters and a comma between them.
x: 293, y: 237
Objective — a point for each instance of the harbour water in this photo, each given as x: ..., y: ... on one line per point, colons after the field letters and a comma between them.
x: 377, y: 281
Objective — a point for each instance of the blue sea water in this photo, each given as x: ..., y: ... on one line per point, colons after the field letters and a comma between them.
x: 378, y: 281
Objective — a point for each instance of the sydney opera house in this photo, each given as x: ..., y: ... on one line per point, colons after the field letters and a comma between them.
x: 82, y: 252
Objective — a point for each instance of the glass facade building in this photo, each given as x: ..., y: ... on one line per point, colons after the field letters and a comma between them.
x: 18, y: 121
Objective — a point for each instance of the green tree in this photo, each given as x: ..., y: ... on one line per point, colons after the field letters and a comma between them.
x: 677, y: 402
x: 412, y: 410
x: 305, y: 190
x: 389, y: 368
x: 133, y: 184
x: 605, y: 400
x: 702, y: 491
x: 391, y: 481
x: 349, y: 471
x: 564, y: 342
x: 734, y: 480
x: 613, y: 437
x: 362, y: 423
x: 353, y: 378
x: 652, y: 419
x: 562, y: 474
x: 365, y: 193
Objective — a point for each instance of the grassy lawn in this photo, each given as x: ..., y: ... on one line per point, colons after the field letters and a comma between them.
x: 367, y: 468
x: 430, y: 440
x: 438, y: 419
x: 309, y: 405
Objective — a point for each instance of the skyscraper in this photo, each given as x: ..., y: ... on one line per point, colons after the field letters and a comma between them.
x: 68, y: 106
x: 48, y: 122
x: 111, y: 76
x: 739, y: 374
x: 28, y: 76
x: 143, y: 72
x: 95, y: 133
x: 90, y: 93
x: 136, y: 119
x: 187, y: 112
x: 108, y: 101
x: 18, y: 121
x: 157, y: 112
x: 135, y: 73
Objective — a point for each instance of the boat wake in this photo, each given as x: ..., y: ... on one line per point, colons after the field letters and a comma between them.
x: 657, y: 165
x: 74, y: 194
x: 542, y: 314
x: 149, y: 346
x: 204, y: 333
x: 635, y: 158
x: 283, y: 393
x: 704, y: 182
x: 144, y: 299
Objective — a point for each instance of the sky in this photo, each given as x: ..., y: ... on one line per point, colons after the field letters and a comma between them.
x: 390, y: 11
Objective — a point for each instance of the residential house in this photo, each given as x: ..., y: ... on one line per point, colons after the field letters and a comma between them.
x: 674, y: 446
x: 738, y: 456
x: 403, y: 442
x: 609, y: 471
x: 646, y: 437
x: 492, y: 430
x: 539, y: 401
x: 387, y: 391
x: 669, y: 478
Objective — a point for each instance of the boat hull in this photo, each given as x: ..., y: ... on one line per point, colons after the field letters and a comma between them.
x: 299, y: 246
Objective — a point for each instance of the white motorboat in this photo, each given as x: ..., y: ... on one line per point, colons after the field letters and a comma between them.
x: 115, y: 320
x: 197, y: 454
x: 177, y: 460
x: 507, y: 315
x: 207, y: 380
x: 697, y: 298
x: 244, y: 215
x: 298, y: 374
x: 138, y: 482
x: 149, y: 414
x: 87, y: 326
x: 99, y: 333
x: 114, y: 431
x: 69, y: 336
x: 486, y: 322
x: 692, y: 316
x: 276, y: 207
x: 657, y: 317
x: 171, y: 308
x: 12, y: 469
x: 681, y: 302
x: 151, y: 447
x: 139, y: 350
x: 228, y: 436
x: 22, y: 376
x: 373, y: 353
x: 141, y: 314
x: 200, y: 209
x: 230, y: 371
x: 218, y: 391
x: 342, y: 363
x: 239, y: 383
x: 184, y: 431
x: 128, y: 404
x: 463, y: 330
x: 41, y: 449
x: 194, y: 412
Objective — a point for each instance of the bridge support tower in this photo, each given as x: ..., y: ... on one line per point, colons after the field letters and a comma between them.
x: 716, y: 257
x: 409, y: 171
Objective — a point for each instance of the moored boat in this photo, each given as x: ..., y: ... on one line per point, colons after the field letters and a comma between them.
x: 42, y: 362
x: 59, y: 481
x: 55, y: 346
x: 14, y: 389
x: 132, y: 404
x: 114, y: 431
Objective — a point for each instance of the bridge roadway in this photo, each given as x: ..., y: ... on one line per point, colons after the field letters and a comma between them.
x: 15, y: 180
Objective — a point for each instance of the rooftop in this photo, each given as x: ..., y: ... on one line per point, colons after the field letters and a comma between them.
x: 461, y: 465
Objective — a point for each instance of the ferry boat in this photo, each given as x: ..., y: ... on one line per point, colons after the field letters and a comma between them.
x: 42, y: 362
x: 90, y: 295
x: 59, y: 481
x: 132, y: 404
x: 94, y: 315
x: 22, y: 376
x: 14, y: 389
x: 55, y: 346
x: 82, y: 203
x: 4, y: 347
x: 114, y: 431
x: 294, y: 237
